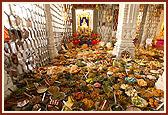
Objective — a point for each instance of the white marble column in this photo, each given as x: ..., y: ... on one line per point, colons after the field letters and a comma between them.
x: 126, y: 30
x: 51, y: 45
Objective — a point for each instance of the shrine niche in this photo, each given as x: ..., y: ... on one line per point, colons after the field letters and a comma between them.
x: 84, y: 21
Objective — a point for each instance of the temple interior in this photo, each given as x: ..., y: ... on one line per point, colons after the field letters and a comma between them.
x: 83, y: 57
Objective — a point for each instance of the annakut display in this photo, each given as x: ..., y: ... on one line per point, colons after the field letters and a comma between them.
x: 83, y: 83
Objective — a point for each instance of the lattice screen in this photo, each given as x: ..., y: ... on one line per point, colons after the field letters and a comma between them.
x: 26, y: 41
x: 154, y: 11
x: 107, y: 21
x: 68, y: 24
x: 27, y: 47
x: 62, y: 28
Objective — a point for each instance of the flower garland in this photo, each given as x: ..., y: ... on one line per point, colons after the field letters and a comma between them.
x: 90, y: 39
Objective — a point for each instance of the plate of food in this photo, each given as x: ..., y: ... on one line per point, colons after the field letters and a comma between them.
x: 53, y: 89
x: 142, y: 82
x: 139, y: 102
x: 158, y: 92
x: 41, y: 89
x: 58, y: 96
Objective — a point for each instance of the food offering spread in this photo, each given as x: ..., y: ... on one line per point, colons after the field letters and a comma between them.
x: 89, y: 78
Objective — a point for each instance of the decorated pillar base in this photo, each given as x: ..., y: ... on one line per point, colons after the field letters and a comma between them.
x: 125, y: 45
x: 53, y: 52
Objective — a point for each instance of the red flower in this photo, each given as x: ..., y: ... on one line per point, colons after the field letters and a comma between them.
x: 96, y: 35
x: 94, y: 42
x: 75, y: 35
x: 75, y: 42
x: 93, y: 35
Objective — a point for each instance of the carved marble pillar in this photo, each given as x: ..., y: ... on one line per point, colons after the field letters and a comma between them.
x: 142, y: 24
x: 126, y: 29
x: 146, y: 26
x: 52, y: 47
